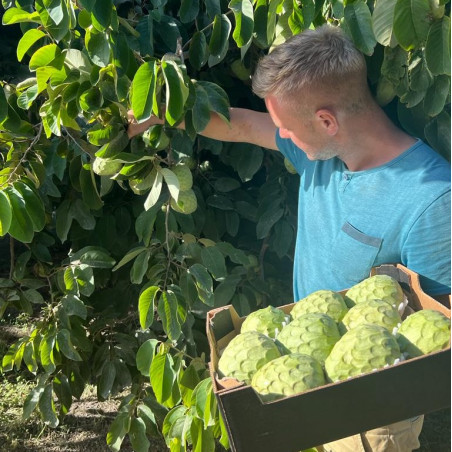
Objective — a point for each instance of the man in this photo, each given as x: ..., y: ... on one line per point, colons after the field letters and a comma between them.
x: 369, y: 193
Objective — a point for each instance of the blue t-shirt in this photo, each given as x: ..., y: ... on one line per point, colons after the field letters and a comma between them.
x: 350, y: 221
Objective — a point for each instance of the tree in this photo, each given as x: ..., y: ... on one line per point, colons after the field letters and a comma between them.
x: 120, y: 247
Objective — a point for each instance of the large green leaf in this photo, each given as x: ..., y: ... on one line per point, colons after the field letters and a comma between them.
x: 45, y: 56
x: 411, y: 22
x: 140, y: 267
x: 436, y: 96
x: 359, y: 21
x: 90, y: 193
x: 137, y: 435
x: 437, y: 48
x: 162, y: 376
x: 167, y: 311
x: 188, y: 11
x: 145, y: 355
x: 146, y: 303
x: 17, y: 15
x: 65, y: 345
x: 31, y: 401
x: 28, y: 39
x: 214, y: 260
x: 383, y: 20
x: 21, y: 227
x: 33, y: 205
x: 5, y: 213
x: 101, y: 14
x: 47, y: 407
x: 143, y: 90
x: 63, y: 391
x: 198, y: 50
x: 98, y: 47
x: 46, y: 352
x: 106, y: 380
x: 220, y: 35
x: 218, y: 99
x: 176, y: 91
x: 244, y: 21
x: 118, y: 430
x: 200, y: 110
x: 204, y: 401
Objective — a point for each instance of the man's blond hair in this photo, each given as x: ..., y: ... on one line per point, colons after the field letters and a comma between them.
x: 314, y: 60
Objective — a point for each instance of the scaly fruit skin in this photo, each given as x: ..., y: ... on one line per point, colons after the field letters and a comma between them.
x: 423, y: 332
x: 361, y: 350
x: 184, y: 177
x: 323, y: 301
x: 266, y: 321
x: 378, y: 287
x: 287, y: 375
x: 313, y: 334
x: 186, y: 203
x: 105, y: 167
x: 246, y: 354
x: 375, y: 312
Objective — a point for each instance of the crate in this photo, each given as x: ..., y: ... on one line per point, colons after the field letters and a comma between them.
x: 410, y: 388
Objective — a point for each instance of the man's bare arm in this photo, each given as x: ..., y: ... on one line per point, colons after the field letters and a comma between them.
x: 245, y: 126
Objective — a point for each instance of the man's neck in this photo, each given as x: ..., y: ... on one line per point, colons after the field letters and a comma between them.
x: 373, y: 140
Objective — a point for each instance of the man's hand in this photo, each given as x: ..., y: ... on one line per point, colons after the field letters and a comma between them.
x: 135, y: 129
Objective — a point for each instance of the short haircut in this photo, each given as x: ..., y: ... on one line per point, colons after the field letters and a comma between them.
x: 316, y: 59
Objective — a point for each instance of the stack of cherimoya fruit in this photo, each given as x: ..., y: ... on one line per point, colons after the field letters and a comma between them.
x: 328, y: 337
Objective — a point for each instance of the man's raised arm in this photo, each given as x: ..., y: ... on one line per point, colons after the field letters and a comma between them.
x: 245, y: 126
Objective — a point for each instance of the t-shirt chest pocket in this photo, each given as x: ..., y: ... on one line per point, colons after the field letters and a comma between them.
x: 354, y: 253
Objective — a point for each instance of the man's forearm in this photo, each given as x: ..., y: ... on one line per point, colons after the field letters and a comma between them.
x: 245, y: 126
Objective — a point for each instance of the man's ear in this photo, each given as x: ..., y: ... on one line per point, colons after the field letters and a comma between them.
x: 327, y: 120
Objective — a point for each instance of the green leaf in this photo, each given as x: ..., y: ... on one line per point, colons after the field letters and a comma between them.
x: 129, y: 256
x: 155, y: 191
x: 140, y: 267
x: 46, y: 352
x: 145, y: 355
x: 29, y: 38
x: 143, y: 90
x: 33, y: 296
x: 436, y: 96
x: 146, y: 304
x: 411, y: 22
x: 172, y: 182
x: 74, y: 306
x: 266, y: 221
x: 437, y: 48
x: 167, y: 310
x: 63, y: 391
x: 437, y: 132
x: 30, y: 358
x: 101, y: 14
x: 162, y: 376
x: 188, y: 11
x: 66, y: 347
x: 244, y: 21
x: 203, y: 282
x: 5, y: 213
x: 91, y: 100
x: 31, y: 401
x: 17, y: 15
x: 137, y: 435
x: 176, y: 91
x: 21, y: 227
x: 218, y: 99
x: 220, y: 35
x: 213, y: 259
x: 383, y: 20
x: 145, y: 413
x: 33, y: 205
x: 201, y: 109
x: 106, y: 380
x: 44, y: 56
x: 63, y: 220
x: 359, y: 21
x: 47, y: 407
x: 90, y: 194
x: 98, y: 47
x: 197, y: 51
x: 118, y: 430
x: 202, y: 438
x: 203, y: 399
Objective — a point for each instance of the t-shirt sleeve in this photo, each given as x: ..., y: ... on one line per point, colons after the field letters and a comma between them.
x: 427, y: 247
x: 292, y: 152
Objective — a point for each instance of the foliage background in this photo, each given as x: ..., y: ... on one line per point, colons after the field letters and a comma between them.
x: 118, y: 247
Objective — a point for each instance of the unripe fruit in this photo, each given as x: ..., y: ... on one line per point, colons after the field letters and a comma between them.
x: 246, y: 354
x: 184, y: 177
x: 186, y: 203
x: 322, y: 301
x: 424, y: 332
x: 287, y: 375
x: 106, y: 167
x: 268, y: 321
